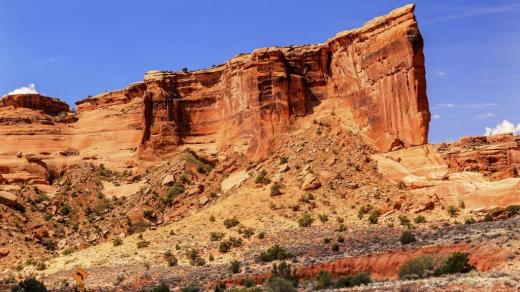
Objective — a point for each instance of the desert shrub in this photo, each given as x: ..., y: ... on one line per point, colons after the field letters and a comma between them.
x: 335, y: 247
x: 231, y: 222
x: 141, y: 243
x: 284, y: 159
x: 148, y: 214
x: 452, y: 211
x: 323, y: 218
x: 306, y: 220
x: 117, y: 241
x: 274, y: 253
x: 358, y: 279
x: 284, y: 271
x: 363, y: 210
x: 324, y: 280
x: 246, y: 232
x: 191, y: 288
x: 234, y: 266
x: 262, y: 178
x: 171, y: 260
x: 261, y: 235
x: 280, y: 284
x: 163, y: 287
x: 488, y: 217
x: 407, y: 237
x: 403, y: 220
x: 248, y: 283
x: 341, y: 228
x: 275, y: 189
x: 341, y: 239
x: 64, y: 209
x: 456, y: 263
x: 30, y: 284
x: 306, y: 198
x: 374, y: 216
x: 185, y: 70
x: 174, y: 192
x: 224, y: 246
x: 70, y: 249
x: 326, y: 240
x: 469, y: 221
x: 137, y: 227
x: 216, y: 236
x: 193, y: 256
x: 418, y: 268
x: 513, y: 209
x: 212, y: 218
x: 211, y: 258
x: 419, y: 219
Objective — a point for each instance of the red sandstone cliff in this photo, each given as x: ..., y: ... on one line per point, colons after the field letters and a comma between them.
x: 48, y: 105
x: 376, y: 72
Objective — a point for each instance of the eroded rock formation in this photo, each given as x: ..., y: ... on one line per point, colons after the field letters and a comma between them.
x: 496, y: 156
x: 377, y: 72
x: 48, y: 105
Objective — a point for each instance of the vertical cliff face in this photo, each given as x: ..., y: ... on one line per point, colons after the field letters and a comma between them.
x: 376, y: 72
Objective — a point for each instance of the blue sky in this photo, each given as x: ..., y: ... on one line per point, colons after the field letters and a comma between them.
x: 72, y: 49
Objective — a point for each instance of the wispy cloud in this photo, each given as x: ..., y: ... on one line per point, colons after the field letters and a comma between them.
x: 469, y: 12
x: 436, y: 117
x: 473, y: 105
x: 440, y: 73
x: 504, y: 127
x: 53, y: 59
x: 485, y: 116
x: 31, y: 89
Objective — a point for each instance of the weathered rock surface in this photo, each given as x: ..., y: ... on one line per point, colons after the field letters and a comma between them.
x: 496, y: 156
x: 48, y: 105
x: 377, y: 73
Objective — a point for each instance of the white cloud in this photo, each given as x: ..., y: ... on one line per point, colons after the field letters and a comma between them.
x: 441, y: 73
x: 436, y: 117
x: 31, y: 89
x: 485, y: 116
x: 504, y: 127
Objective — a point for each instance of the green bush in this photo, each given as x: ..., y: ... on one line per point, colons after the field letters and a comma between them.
x: 335, y: 247
x: 201, y: 166
x: 456, y: 263
x: 142, y: 243
x: 174, y: 192
x: 262, y: 178
x: 30, y: 284
x: 363, y: 210
x: 374, y: 216
x: 274, y: 253
x: 513, y: 209
x: 117, y: 241
x: 163, y: 287
x: 275, y: 189
x: 419, y: 219
x: 231, y: 222
x: 306, y: 220
x: 358, y: 279
x: 403, y: 220
x: 323, y: 217
x: 191, y: 288
x: 324, y: 280
x: 193, y: 256
x: 171, y: 260
x: 283, y: 271
x: 280, y: 284
x: 407, y: 237
x: 234, y: 266
x: 418, y: 268
x: 488, y: 217
x: 452, y: 211
x: 469, y: 221
x: 216, y: 236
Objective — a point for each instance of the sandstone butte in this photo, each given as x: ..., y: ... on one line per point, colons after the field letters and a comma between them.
x: 374, y: 76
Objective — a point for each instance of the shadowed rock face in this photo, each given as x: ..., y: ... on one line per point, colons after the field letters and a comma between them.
x: 375, y: 72
x: 48, y: 105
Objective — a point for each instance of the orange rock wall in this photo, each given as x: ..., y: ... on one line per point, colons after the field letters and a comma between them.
x: 377, y: 72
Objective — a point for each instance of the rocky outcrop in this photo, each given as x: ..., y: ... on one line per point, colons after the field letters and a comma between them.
x: 495, y: 156
x: 48, y: 105
x: 376, y: 72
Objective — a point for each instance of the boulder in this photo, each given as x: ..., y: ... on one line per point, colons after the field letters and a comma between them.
x: 168, y: 180
x: 310, y: 182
